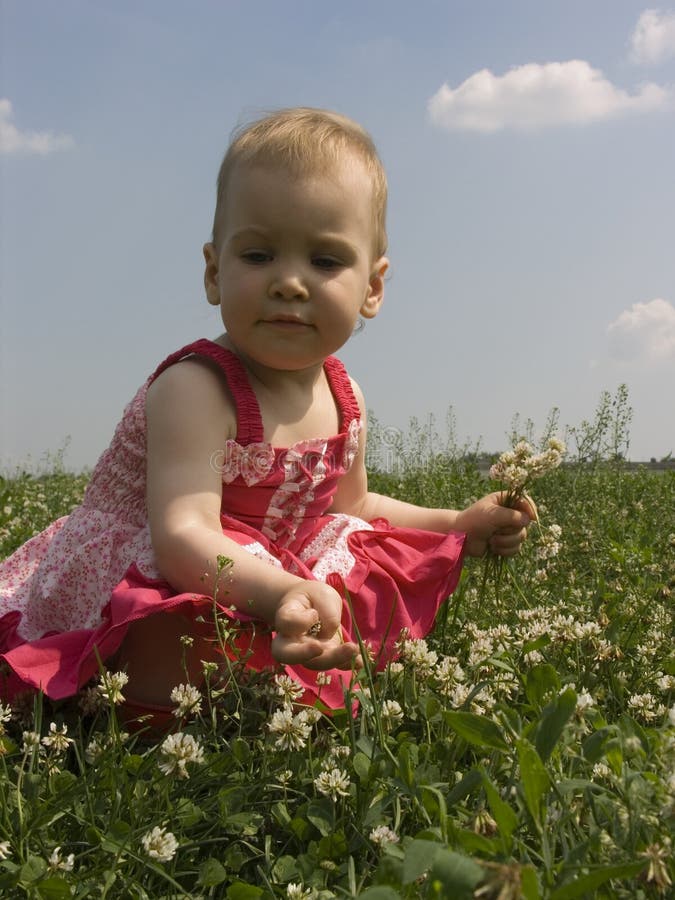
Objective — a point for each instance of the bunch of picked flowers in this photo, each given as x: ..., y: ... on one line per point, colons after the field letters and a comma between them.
x: 518, y: 468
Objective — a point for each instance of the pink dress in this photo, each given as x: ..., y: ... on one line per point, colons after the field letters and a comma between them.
x: 69, y: 594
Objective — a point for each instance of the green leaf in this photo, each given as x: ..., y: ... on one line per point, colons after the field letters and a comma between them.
x: 505, y: 817
x: 588, y: 883
x: 211, y: 872
x: 540, y: 682
x: 552, y: 722
x: 242, y: 891
x: 32, y: 870
x: 419, y: 857
x: 247, y: 823
x: 469, y: 783
x: 534, y: 778
x: 457, y: 875
x: 54, y: 889
x: 475, y: 729
x: 321, y: 814
x: 361, y: 765
x: 529, y: 884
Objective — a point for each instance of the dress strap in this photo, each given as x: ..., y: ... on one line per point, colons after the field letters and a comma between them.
x: 341, y: 386
x: 249, y: 421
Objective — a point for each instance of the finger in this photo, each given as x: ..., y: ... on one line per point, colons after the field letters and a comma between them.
x: 342, y: 656
x: 293, y: 620
x: 291, y: 652
x: 527, y: 505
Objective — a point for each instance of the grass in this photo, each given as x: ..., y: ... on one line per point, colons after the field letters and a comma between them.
x: 526, y: 749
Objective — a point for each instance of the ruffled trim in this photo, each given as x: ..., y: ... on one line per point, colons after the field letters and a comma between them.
x: 341, y: 387
x: 249, y: 421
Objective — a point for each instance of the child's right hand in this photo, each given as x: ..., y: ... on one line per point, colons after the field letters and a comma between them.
x: 300, y: 609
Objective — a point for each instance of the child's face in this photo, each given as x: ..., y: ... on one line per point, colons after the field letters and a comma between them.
x: 294, y: 269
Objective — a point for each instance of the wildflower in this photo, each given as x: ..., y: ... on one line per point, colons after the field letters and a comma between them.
x: 56, y: 862
x: 5, y: 716
x: 5, y: 850
x: 288, y: 689
x: 383, y: 835
x: 391, y: 712
x: 187, y: 698
x: 111, y: 686
x: 671, y: 714
x: 56, y: 739
x: 310, y: 715
x: 90, y: 701
x: 333, y: 783
x: 293, y: 730
x: 657, y: 871
x: 180, y: 749
x: 160, y: 844
x: 297, y: 891
x: 416, y: 652
x: 601, y: 770
x: 483, y: 823
x: 209, y: 667
x: 93, y: 750
x: 448, y: 672
x: 323, y: 678
x: 31, y: 740
x: 584, y: 701
x: 284, y: 778
x: 645, y: 706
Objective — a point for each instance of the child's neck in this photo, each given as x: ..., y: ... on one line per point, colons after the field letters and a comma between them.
x: 295, y: 405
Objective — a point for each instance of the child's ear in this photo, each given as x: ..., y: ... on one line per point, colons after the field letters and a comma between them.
x: 375, y: 296
x: 211, y: 274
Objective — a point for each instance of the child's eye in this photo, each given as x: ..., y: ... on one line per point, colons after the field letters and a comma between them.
x: 326, y: 262
x: 256, y: 257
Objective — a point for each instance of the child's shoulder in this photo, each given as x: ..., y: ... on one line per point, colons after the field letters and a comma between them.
x: 192, y: 393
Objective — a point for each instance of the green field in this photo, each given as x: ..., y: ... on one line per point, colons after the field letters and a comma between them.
x: 526, y: 749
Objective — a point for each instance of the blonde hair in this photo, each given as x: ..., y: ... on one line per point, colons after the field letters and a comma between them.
x: 305, y: 140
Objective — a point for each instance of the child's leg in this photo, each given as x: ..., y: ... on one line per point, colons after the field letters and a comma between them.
x: 156, y: 660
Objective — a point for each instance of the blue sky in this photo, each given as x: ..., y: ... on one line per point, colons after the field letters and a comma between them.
x: 529, y: 148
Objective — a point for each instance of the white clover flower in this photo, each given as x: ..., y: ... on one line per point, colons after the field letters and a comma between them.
x: 56, y: 861
x: 310, y: 715
x: 601, y: 770
x: 293, y: 730
x: 5, y: 850
x: 111, y: 686
x: 671, y: 715
x: 657, y: 871
x: 90, y: 701
x: 178, y: 750
x: 31, y: 740
x: 340, y: 751
x: 417, y: 654
x: 187, y: 699
x: 56, y: 739
x: 5, y: 715
x: 584, y: 701
x: 391, y: 712
x: 287, y: 688
x: 297, y: 891
x: 284, y: 778
x: 160, y: 844
x: 333, y: 783
x: 323, y: 678
x: 94, y: 749
x: 383, y: 835
x: 665, y: 683
x: 645, y: 706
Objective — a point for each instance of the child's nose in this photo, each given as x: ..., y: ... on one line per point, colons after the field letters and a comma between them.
x: 288, y: 285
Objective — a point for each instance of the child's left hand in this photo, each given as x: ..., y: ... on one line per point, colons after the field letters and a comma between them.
x: 490, y: 525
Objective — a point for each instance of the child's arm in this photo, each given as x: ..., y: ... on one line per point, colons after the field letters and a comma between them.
x: 190, y: 415
x: 486, y: 523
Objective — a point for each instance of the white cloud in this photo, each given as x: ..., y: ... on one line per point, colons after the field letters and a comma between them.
x: 13, y: 141
x: 653, y: 40
x: 646, y: 331
x: 535, y: 96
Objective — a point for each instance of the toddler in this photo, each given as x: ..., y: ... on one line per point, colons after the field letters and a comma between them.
x: 250, y: 447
